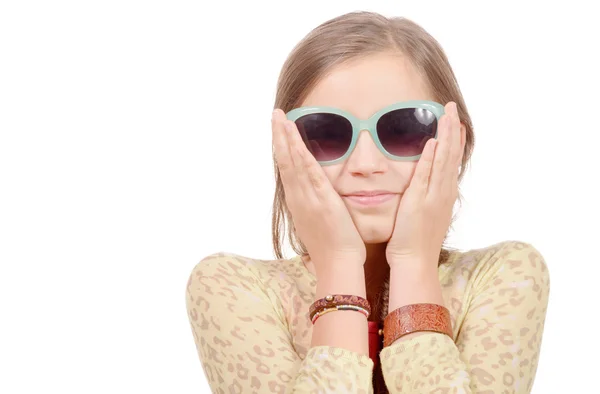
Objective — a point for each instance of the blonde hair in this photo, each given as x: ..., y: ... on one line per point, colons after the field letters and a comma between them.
x: 350, y: 37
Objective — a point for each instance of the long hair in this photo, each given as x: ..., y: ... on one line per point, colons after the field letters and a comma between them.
x: 342, y: 39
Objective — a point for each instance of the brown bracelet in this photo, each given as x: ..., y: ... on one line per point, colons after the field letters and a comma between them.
x: 416, y: 317
x: 332, y: 300
x: 322, y: 312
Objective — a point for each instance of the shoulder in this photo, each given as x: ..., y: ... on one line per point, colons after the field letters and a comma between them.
x: 229, y: 266
x: 223, y: 282
x: 510, y: 260
x: 225, y: 286
x: 226, y: 268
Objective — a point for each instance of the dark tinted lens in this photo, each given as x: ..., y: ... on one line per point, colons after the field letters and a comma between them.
x: 327, y: 136
x: 404, y: 132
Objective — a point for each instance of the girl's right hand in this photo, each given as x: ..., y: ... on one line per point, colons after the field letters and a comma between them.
x: 320, y: 217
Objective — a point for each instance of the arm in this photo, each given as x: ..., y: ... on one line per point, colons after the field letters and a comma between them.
x: 498, y: 344
x: 244, y: 344
x: 344, y: 329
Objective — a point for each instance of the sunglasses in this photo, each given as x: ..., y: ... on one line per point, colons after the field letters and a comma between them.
x: 400, y: 130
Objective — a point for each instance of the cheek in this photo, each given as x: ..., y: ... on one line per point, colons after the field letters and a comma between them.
x: 333, y: 173
x: 403, y: 171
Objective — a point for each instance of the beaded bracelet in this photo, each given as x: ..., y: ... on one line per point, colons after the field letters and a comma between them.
x: 321, y: 312
x: 331, y: 300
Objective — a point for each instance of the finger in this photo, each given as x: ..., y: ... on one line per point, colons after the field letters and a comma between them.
x: 310, y: 175
x: 463, y: 139
x: 316, y: 148
x: 463, y: 144
x: 283, y: 158
x: 439, y: 170
x: 456, y: 146
x: 420, y: 181
x: 455, y: 135
x: 450, y: 182
x: 297, y: 153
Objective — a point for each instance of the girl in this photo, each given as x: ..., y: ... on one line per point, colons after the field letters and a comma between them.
x: 371, y: 138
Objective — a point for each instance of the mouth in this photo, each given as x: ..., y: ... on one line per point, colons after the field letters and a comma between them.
x: 370, y: 200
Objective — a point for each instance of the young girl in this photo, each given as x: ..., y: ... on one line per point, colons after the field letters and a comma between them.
x: 371, y: 138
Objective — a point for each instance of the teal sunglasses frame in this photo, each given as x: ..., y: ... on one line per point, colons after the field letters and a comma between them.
x: 369, y: 124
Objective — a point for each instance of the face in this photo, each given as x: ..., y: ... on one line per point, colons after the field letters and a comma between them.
x: 362, y: 88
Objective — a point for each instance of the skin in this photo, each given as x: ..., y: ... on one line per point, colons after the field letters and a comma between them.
x: 403, y: 235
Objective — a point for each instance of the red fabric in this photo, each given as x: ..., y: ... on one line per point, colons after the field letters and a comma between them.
x: 375, y: 341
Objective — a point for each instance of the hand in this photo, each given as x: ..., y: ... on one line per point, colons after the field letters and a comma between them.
x: 320, y: 217
x: 425, y: 210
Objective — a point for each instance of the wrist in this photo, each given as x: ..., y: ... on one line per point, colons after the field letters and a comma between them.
x: 339, y: 266
x: 413, y: 266
x: 414, y: 283
x: 341, y: 279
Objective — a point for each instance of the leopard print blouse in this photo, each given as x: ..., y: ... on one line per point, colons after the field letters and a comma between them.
x: 249, y: 320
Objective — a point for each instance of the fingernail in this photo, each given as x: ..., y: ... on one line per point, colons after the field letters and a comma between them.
x: 274, y: 114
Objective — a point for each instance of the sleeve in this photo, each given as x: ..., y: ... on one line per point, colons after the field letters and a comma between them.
x: 244, y: 343
x: 497, y: 346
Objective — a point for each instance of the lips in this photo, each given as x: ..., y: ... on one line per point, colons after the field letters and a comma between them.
x: 369, y: 193
x: 370, y: 198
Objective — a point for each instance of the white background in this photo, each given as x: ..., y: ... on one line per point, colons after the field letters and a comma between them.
x: 135, y: 140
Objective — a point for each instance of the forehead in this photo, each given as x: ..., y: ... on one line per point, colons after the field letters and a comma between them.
x: 364, y: 86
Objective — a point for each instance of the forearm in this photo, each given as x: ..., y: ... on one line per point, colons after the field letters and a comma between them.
x: 345, y: 329
x: 414, y: 282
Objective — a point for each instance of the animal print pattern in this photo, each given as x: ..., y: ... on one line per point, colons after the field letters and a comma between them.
x: 250, y: 323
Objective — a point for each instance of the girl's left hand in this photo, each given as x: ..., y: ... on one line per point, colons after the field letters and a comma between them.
x: 425, y: 210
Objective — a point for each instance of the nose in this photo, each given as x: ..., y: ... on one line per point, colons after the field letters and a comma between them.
x: 366, y: 159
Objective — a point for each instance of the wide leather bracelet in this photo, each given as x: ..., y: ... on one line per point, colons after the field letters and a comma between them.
x: 416, y: 317
x: 332, y: 300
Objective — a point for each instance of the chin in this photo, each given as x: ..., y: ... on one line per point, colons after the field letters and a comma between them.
x: 374, y: 229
